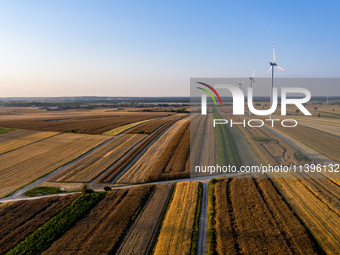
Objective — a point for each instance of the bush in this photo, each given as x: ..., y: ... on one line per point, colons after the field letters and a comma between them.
x: 301, y: 157
x: 85, y: 190
x: 107, y: 188
x: 40, y: 191
x: 141, y: 132
x: 261, y: 139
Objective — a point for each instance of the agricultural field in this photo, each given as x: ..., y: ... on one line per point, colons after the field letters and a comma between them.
x: 198, y: 126
x: 143, y: 233
x: 226, y: 150
x: 326, y: 144
x: 176, y: 234
x: 24, y: 140
x: 19, y: 219
x: 174, y: 161
x: 87, y: 124
x: 272, y: 150
x: 138, y: 172
x: 101, y: 230
x: 117, y: 168
x: 249, y: 215
x: 118, y: 130
x: 15, y: 134
x: 88, y: 168
x: 321, y: 221
x: 323, y: 188
x: 151, y: 126
x: 30, y: 162
x: 6, y: 130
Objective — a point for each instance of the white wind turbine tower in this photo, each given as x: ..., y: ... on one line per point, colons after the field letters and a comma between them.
x: 272, y: 65
x: 251, y: 83
x: 327, y: 96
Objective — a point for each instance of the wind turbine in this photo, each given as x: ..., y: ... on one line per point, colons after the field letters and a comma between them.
x: 240, y: 83
x: 251, y: 83
x: 272, y: 65
x: 327, y: 96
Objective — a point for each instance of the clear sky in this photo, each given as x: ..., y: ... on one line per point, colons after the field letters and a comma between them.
x: 153, y: 48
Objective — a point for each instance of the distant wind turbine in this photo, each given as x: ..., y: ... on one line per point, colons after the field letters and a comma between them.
x: 251, y: 83
x: 272, y: 65
x: 240, y: 83
x: 327, y: 96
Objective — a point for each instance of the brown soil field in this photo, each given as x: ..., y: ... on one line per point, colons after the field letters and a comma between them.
x: 250, y: 216
x: 112, y: 173
x: 23, y: 141
x: 177, y: 228
x: 88, y: 168
x: 273, y: 152
x: 95, y: 124
x: 152, y: 125
x: 28, y: 163
x: 324, y: 143
x: 101, y: 230
x: 142, y: 234
x: 174, y: 162
x: 323, y: 223
x: 15, y: 135
x: 19, y: 219
x: 138, y: 172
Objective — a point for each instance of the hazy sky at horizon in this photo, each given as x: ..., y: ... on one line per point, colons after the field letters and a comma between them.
x: 153, y: 48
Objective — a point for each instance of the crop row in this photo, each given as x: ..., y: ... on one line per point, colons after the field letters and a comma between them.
x: 48, y: 232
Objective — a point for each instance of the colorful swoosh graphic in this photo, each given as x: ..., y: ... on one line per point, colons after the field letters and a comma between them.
x: 208, y: 92
x: 218, y: 96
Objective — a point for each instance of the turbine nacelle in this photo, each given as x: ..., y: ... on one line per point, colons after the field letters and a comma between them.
x: 272, y: 64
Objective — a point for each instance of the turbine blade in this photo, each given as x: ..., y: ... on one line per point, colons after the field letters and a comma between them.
x: 282, y: 69
x: 245, y: 80
x: 268, y: 72
x: 273, y: 51
x: 255, y: 84
x: 254, y: 72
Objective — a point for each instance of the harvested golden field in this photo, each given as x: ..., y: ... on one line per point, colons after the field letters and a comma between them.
x: 138, y: 172
x: 144, y: 231
x: 117, y: 131
x: 28, y: 163
x: 15, y: 135
x: 174, y: 162
x: 25, y: 140
x: 326, y: 144
x: 88, y: 168
x: 117, y: 168
x: 251, y: 216
x: 151, y: 126
x: 102, y: 229
x: 323, y: 188
x: 323, y: 223
x: 176, y: 232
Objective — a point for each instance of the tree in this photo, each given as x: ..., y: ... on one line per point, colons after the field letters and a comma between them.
x: 315, y: 108
x: 297, y: 111
x: 107, y: 188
